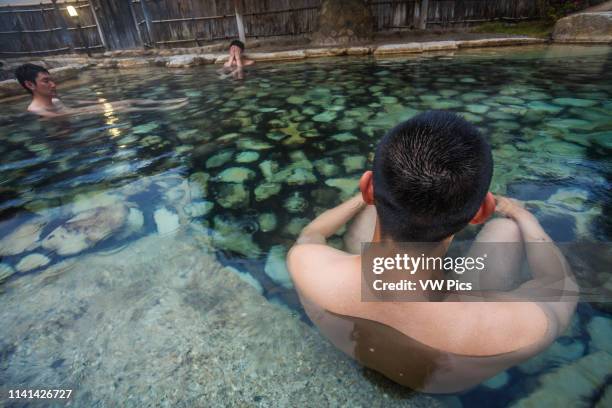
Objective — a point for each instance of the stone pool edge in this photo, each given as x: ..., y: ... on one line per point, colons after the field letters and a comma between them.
x: 70, y: 67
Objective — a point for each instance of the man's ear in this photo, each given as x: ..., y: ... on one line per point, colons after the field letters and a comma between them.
x: 30, y: 85
x: 366, y: 185
x: 486, y: 210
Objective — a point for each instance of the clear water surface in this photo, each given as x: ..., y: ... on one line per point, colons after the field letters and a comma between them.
x: 249, y: 163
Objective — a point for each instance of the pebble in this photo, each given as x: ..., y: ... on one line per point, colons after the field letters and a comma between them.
x: 32, y: 261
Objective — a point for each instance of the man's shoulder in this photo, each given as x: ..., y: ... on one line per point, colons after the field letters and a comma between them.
x: 321, y: 272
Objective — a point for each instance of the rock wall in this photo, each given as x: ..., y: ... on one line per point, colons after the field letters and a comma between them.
x: 584, y: 28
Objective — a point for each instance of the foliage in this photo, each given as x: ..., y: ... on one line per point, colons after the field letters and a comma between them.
x: 537, y: 28
x: 556, y: 9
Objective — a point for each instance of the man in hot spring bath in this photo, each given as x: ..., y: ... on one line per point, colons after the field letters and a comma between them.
x: 430, y: 179
x: 39, y: 83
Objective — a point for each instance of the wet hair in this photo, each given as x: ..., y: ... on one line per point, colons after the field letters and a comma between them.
x: 28, y: 72
x: 431, y: 174
x: 238, y: 44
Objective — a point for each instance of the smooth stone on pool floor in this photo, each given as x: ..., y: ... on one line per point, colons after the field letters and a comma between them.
x: 326, y: 167
x: 166, y: 221
x: 558, y: 353
x: 266, y: 190
x: 198, y: 208
x: 268, y: 168
x: 228, y: 234
x: 6, y: 271
x: 133, y: 223
x: 571, y: 384
x: 544, y: 107
x: 327, y: 116
x: 233, y: 195
x: 344, y: 137
x: 575, y: 102
x: 573, y: 199
x: 247, y: 157
x: 600, y: 331
x: 24, y: 238
x: 296, y: 225
x: 31, y: 262
x: 276, y: 267
x: 267, y: 222
x: 354, y: 163
x: 86, y: 229
x: 219, y: 159
x: 295, y: 203
x: 236, y: 175
x: 347, y: 186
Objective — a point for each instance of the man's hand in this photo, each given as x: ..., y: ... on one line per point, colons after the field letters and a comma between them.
x: 509, y: 207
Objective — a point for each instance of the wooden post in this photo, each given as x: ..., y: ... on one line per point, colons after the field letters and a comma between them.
x: 67, y: 38
x: 95, y: 16
x: 147, y: 18
x: 239, y: 23
x: 132, y: 11
x: 423, y: 9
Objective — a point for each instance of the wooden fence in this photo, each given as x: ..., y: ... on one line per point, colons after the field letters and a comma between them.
x: 122, y: 24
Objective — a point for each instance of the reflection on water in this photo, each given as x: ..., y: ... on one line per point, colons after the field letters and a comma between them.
x: 248, y: 163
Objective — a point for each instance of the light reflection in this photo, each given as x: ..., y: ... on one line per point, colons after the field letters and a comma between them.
x: 111, y: 119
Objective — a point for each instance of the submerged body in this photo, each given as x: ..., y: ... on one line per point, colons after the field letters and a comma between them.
x: 439, y: 342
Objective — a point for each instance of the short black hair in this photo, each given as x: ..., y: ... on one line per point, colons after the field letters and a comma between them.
x: 238, y: 44
x: 28, y: 72
x: 431, y: 174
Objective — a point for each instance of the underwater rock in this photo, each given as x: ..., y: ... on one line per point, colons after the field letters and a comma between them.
x: 477, y: 108
x: 276, y: 268
x: 574, y: 102
x: 236, y: 175
x: 295, y: 203
x: 146, y: 128
x: 86, y: 229
x: 6, y: 271
x: 600, y: 331
x: 497, y: 382
x: 326, y: 116
x: 572, y: 384
x: 229, y: 235
x: 266, y: 190
x: 24, y: 238
x: 32, y: 261
x: 558, y: 353
x: 344, y: 137
x: 247, y: 157
x: 232, y: 195
x: 296, y: 100
x: 354, y: 163
x: 296, y: 225
x: 473, y: 96
x: 570, y: 198
x: 198, y: 208
x: 219, y: 159
x: 249, y: 144
x: 268, y: 168
x: 571, y: 124
x: 544, y: 107
x: 347, y: 186
x: 167, y: 221
x: 88, y: 201
x: 326, y: 167
x: 198, y: 185
x: 133, y: 223
x: 300, y: 177
x: 151, y: 141
x: 135, y: 187
x: 267, y: 222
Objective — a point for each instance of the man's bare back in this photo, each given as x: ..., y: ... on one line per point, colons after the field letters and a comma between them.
x: 444, y: 346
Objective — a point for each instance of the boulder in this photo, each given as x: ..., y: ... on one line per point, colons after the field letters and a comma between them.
x: 190, y: 60
x: 584, y: 27
x: 132, y: 63
x: 439, y: 45
x: 343, y: 22
x: 86, y: 229
x: 324, y: 52
x: 496, y: 42
x: 23, y: 238
x: 358, y: 51
x: 32, y: 261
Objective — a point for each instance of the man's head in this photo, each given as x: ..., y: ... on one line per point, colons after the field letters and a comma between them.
x: 35, y: 79
x: 237, y: 43
x: 430, y: 178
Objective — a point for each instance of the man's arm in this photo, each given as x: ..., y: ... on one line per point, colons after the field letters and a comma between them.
x: 552, y: 275
x: 330, y: 221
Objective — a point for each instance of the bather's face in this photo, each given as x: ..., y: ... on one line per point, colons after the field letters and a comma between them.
x: 44, y: 85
